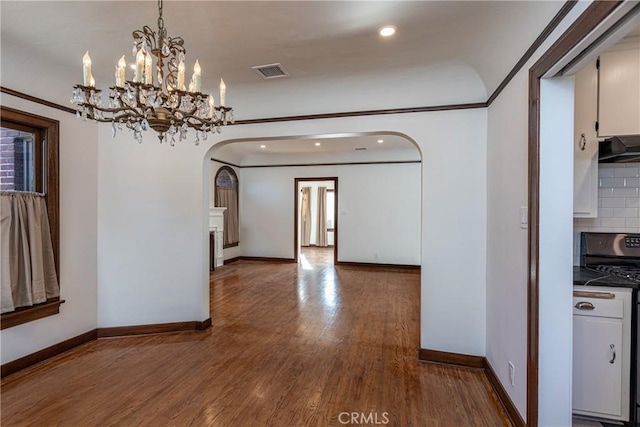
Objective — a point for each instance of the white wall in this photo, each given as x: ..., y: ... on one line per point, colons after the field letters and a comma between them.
x: 151, y: 263
x: 379, y: 205
x: 78, y: 239
x: 555, y: 276
x: 506, y: 241
x: 235, y: 251
x: 507, y: 269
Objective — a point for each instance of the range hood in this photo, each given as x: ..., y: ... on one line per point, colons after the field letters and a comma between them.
x: 620, y: 149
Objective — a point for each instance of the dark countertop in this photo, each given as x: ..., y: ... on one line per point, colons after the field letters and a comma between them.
x: 585, y: 276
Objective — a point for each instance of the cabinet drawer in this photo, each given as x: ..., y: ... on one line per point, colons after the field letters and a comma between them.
x: 601, y: 307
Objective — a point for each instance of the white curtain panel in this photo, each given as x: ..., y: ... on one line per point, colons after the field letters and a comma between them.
x: 26, y: 256
x: 228, y: 198
x: 321, y: 231
x: 305, y: 217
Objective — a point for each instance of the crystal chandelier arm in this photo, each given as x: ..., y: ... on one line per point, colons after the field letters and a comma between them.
x: 145, y: 37
x: 119, y: 114
x: 175, y: 52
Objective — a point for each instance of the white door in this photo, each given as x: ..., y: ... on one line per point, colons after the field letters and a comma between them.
x: 597, y: 374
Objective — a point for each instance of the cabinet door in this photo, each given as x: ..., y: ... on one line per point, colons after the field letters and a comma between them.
x: 597, y: 383
x: 619, y: 89
x: 585, y: 148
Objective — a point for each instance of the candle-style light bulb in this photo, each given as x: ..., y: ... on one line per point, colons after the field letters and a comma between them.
x: 120, y: 74
x: 197, y: 77
x: 148, y: 70
x: 86, y: 69
x: 92, y: 82
x: 181, y: 76
x: 223, y: 92
x: 137, y: 78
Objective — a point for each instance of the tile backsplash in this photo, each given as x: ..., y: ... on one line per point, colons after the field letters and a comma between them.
x: 618, y: 203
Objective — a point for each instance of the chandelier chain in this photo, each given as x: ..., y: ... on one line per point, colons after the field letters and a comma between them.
x: 160, y: 19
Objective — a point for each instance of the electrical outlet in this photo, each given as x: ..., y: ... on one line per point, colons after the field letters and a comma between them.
x: 512, y: 374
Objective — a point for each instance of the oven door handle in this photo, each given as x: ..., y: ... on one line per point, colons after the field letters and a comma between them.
x: 585, y: 305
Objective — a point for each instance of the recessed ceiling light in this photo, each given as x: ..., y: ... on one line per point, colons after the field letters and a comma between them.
x: 318, y: 144
x: 387, y: 30
x: 380, y: 141
x: 263, y: 146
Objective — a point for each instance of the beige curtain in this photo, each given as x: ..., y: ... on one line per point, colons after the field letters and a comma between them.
x: 321, y: 232
x: 305, y: 216
x: 227, y: 197
x: 28, y: 272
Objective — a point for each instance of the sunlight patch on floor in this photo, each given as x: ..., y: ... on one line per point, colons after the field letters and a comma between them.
x: 306, y: 265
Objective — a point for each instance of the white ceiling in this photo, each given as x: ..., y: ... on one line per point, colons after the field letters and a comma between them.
x: 314, y: 40
x: 332, y: 144
x: 444, y: 52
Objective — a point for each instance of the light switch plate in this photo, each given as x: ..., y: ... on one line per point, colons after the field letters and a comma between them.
x: 524, y: 217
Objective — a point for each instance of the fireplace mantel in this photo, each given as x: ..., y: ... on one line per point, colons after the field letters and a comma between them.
x: 216, y: 227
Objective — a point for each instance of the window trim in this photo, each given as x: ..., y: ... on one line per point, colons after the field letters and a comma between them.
x: 49, y: 130
x: 215, y: 198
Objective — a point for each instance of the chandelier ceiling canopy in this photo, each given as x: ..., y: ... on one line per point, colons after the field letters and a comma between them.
x: 159, y: 101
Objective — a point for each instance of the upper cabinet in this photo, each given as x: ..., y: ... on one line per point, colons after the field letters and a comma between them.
x: 619, y: 90
x: 585, y: 143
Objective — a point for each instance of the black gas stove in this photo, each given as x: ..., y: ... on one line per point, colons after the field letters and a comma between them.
x: 609, y: 259
x: 624, y: 271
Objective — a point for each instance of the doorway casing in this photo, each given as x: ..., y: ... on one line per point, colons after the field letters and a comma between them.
x: 589, y: 20
x: 296, y: 202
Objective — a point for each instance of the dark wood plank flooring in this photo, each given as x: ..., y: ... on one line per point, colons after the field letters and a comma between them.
x: 289, y: 346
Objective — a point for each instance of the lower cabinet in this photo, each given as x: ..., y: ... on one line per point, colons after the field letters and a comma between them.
x: 602, y: 352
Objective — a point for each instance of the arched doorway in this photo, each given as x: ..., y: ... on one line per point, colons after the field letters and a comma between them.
x: 388, y: 161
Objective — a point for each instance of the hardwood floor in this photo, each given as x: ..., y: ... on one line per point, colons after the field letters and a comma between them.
x: 316, y: 255
x: 290, y: 346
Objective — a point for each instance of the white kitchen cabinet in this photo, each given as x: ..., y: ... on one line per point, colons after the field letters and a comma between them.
x: 619, y: 90
x: 602, y: 353
x: 585, y: 143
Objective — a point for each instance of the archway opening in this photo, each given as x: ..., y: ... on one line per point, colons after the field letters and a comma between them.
x: 378, y: 205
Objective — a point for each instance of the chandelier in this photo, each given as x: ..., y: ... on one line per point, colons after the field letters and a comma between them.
x: 162, y: 102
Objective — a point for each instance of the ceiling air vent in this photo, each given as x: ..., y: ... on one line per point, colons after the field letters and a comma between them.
x: 270, y: 71
x: 361, y: 148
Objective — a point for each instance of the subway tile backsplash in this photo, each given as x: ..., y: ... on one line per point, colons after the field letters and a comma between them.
x: 618, y: 204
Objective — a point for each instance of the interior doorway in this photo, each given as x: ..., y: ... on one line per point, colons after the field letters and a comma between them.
x: 316, y: 220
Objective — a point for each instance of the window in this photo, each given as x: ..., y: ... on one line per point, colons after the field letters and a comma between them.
x: 331, y: 201
x: 29, y: 162
x: 18, y: 145
x: 226, y: 196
